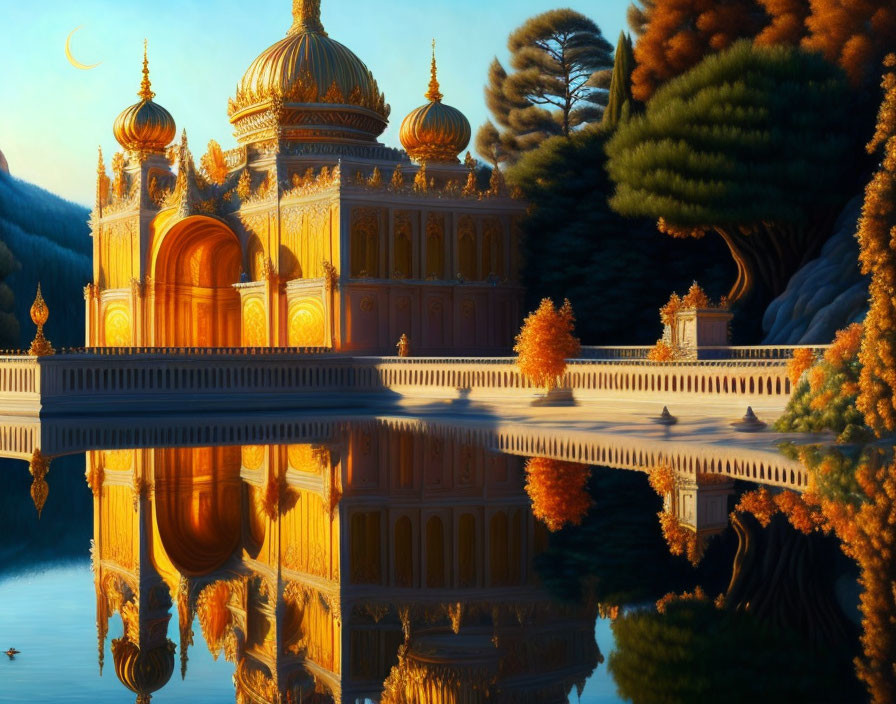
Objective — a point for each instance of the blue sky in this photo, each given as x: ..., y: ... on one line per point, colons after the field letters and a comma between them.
x: 54, y: 116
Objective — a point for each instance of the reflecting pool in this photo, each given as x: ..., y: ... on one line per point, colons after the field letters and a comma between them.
x: 396, y: 561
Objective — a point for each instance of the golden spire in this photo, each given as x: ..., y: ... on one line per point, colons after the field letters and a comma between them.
x: 306, y: 16
x: 40, y: 346
x: 145, y: 91
x: 433, y: 95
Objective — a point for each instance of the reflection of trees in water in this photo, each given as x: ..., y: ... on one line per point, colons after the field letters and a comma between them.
x: 62, y: 533
x: 618, y: 550
x: 785, y: 578
x: 695, y: 652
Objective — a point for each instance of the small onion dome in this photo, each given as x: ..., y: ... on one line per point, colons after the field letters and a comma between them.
x: 435, y: 131
x: 145, y: 126
x: 143, y: 672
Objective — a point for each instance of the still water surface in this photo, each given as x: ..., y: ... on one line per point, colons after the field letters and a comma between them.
x: 379, y: 563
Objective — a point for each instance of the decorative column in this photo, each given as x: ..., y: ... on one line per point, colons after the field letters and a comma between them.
x: 137, y: 312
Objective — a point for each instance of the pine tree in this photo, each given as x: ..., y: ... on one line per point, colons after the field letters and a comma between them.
x: 750, y: 160
x: 620, y: 98
x: 877, y: 383
x: 556, y: 58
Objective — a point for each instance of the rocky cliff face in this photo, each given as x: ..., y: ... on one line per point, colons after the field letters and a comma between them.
x: 826, y: 294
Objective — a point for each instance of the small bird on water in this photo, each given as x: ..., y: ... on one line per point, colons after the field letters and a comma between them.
x: 12, y: 652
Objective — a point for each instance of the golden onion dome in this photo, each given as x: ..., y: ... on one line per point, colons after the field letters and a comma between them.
x: 145, y: 126
x: 318, y: 79
x: 143, y: 672
x: 435, y: 131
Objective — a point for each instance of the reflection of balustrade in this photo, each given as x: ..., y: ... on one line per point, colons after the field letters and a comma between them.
x: 622, y: 451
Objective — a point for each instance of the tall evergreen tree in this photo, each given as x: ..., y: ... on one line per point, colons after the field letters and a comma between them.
x: 620, y: 98
x: 742, y: 145
x: 556, y: 60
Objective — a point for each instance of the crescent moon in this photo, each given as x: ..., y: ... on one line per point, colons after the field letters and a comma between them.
x: 68, y: 53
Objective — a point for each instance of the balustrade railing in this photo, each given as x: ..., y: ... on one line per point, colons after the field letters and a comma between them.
x: 92, y: 375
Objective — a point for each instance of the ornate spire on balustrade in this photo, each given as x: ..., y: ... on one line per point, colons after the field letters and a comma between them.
x: 40, y: 346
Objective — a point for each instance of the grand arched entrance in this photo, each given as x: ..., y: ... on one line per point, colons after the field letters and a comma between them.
x: 194, y: 268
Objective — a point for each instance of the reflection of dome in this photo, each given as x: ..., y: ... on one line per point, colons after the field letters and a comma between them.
x: 143, y: 672
x: 339, y: 97
x: 435, y: 131
x: 145, y: 126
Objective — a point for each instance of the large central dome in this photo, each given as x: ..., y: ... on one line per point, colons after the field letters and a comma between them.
x: 310, y: 88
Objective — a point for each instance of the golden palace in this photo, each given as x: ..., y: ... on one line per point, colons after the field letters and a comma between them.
x: 310, y: 233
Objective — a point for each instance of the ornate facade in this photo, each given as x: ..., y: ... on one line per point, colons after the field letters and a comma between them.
x: 310, y: 233
x: 381, y: 563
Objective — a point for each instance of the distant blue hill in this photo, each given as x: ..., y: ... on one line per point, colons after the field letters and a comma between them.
x: 50, y: 239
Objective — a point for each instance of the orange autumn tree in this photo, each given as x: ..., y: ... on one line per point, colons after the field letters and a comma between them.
x: 864, y: 520
x: 545, y: 342
x: 678, y: 34
x: 855, y: 34
x: 877, y: 382
x: 786, y: 22
x: 558, y: 491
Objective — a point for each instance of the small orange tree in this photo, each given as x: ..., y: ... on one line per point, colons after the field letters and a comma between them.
x: 558, y: 491
x: 545, y: 342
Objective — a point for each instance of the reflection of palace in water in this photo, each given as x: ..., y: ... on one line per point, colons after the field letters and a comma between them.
x: 376, y: 563
x: 310, y: 233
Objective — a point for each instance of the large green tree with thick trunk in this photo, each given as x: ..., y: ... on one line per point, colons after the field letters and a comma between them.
x: 559, y: 62
x: 753, y: 144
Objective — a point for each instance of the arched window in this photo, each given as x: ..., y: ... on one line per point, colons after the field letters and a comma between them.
x: 365, y: 236
x: 435, y: 553
x: 498, y: 550
x: 466, y: 555
x: 404, y: 553
x: 493, y: 249
x: 403, y: 257
x: 435, y: 247
x: 466, y: 248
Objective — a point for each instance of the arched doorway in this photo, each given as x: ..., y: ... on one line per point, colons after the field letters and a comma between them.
x: 194, y: 268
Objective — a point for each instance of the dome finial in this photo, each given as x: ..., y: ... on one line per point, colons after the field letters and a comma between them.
x: 145, y: 86
x: 306, y: 16
x: 433, y: 95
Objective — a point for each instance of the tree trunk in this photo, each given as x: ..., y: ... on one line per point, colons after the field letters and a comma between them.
x: 769, y: 254
x: 783, y: 577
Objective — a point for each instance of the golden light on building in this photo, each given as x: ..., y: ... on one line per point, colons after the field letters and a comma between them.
x: 310, y: 234
x: 145, y: 126
x: 435, y: 131
x: 337, y: 591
